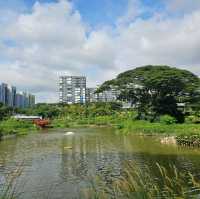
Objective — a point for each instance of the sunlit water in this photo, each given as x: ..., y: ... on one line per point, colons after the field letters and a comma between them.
x: 57, y: 165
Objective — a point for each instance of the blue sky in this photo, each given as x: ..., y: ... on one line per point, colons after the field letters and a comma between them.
x: 98, y: 38
x: 94, y: 12
x: 98, y: 12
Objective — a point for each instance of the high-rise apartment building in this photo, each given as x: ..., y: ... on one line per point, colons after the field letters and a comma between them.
x: 10, y: 97
x: 72, y: 89
x: 105, y: 96
x: 31, y: 100
x: 3, y: 93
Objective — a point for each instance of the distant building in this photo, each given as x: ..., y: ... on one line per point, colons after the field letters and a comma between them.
x: 106, y: 96
x: 72, y: 89
x: 31, y: 100
x: 10, y: 97
x: 91, y: 96
x: 3, y: 93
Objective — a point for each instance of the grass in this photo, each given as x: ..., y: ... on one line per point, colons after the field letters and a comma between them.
x: 12, y: 127
x: 125, y: 124
x: 145, y: 127
x: 141, y: 184
x: 186, y: 134
x: 122, y: 121
x: 8, y: 188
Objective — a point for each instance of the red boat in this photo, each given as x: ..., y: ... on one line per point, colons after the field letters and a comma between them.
x: 41, y: 122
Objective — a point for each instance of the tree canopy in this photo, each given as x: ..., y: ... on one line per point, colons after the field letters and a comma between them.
x: 156, y: 90
x: 5, y: 111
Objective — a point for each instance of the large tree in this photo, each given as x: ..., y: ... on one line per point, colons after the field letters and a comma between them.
x: 156, y: 90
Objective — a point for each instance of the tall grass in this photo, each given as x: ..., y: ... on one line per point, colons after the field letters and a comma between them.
x: 145, y: 127
x: 138, y: 183
x: 9, y: 185
x: 12, y: 126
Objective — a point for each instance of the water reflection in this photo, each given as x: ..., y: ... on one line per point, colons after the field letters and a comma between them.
x: 59, y: 166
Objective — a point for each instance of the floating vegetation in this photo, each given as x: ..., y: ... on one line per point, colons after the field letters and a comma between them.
x: 188, y: 140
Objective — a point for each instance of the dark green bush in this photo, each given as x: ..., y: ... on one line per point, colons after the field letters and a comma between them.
x: 167, y: 119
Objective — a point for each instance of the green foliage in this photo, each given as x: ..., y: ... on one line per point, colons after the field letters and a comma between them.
x: 53, y: 111
x: 1, y: 133
x: 12, y: 126
x: 64, y: 116
x: 145, y: 127
x: 44, y: 110
x: 156, y: 90
x: 167, y: 119
x: 192, y: 140
x: 192, y: 119
x: 5, y: 111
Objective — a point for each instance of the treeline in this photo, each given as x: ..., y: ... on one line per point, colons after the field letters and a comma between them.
x: 156, y: 93
x: 52, y: 111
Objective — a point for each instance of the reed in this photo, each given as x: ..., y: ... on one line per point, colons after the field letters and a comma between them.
x: 137, y: 183
x: 8, y: 188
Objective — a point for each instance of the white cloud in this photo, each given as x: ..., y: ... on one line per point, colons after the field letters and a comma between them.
x: 53, y: 38
x: 182, y: 5
x: 134, y: 9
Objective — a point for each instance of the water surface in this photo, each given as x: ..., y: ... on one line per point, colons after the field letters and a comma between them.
x: 58, y: 166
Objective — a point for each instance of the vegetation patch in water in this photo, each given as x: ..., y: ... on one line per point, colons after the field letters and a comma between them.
x: 138, y: 183
x: 189, y: 140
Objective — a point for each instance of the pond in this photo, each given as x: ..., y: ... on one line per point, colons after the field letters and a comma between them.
x: 56, y: 165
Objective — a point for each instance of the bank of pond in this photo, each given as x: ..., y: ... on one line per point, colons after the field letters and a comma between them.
x: 186, y: 134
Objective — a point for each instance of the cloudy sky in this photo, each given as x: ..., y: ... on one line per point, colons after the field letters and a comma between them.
x: 40, y: 39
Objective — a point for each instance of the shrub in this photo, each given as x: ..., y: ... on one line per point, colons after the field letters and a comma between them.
x: 192, y: 119
x: 167, y: 119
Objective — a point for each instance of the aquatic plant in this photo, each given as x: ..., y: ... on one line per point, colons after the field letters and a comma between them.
x: 188, y: 140
x: 9, y: 185
x: 138, y: 183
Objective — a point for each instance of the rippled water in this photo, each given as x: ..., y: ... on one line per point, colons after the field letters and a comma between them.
x: 59, y: 166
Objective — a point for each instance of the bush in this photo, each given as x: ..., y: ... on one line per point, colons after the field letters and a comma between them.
x: 167, y: 119
x: 192, y: 119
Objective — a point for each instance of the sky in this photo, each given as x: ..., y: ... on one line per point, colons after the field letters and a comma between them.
x: 42, y: 39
